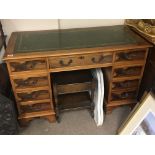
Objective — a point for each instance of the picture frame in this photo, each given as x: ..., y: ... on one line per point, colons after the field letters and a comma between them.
x: 141, y: 120
x: 145, y: 27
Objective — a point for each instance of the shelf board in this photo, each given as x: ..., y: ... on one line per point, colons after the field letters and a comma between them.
x: 74, y: 101
x: 73, y: 88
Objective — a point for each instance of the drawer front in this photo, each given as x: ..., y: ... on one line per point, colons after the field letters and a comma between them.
x: 125, y: 84
x: 102, y: 58
x: 35, y: 107
x: 126, y: 56
x: 115, y: 96
x: 30, y: 82
x: 127, y: 71
x: 80, y: 60
x: 33, y: 96
x: 66, y: 61
x: 28, y: 65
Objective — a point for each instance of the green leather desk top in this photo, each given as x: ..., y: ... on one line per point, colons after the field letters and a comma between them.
x: 51, y: 40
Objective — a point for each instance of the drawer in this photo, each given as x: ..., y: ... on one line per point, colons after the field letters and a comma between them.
x: 80, y: 60
x: 35, y: 107
x: 33, y: 96
x: 28, y: 65
x: 31, y: 82
x: 115, y: 96
x: 127, y: 71
x: 125, y: 56
x: 125, y: 84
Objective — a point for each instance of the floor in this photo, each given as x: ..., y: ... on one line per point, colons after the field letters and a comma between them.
x: 78, y: 123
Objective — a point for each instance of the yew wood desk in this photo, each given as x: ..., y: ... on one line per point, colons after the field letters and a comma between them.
x: 32, y: 56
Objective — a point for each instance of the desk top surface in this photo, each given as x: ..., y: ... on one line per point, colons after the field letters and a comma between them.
x: 73, y: 38
x: 52, y: 40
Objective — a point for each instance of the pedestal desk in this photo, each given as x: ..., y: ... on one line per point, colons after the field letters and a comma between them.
x: 32, y: 57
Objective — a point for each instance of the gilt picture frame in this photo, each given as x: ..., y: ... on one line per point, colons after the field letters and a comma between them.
x: 141, y: 121
x: 145, y: 27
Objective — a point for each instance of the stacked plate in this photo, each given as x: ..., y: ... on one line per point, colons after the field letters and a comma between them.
x: 98, y: 97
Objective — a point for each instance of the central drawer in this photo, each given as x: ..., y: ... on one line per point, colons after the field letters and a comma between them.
x: 80, y: 60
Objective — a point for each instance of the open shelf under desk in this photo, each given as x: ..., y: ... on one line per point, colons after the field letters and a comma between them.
x: 73, y: 81
x: 71, y: 77
x: 74, y: 101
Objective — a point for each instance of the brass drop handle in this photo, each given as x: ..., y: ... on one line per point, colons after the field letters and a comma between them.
x: 30, y: 64
x: 31, y: 81
x: 67, y: 64
x: 101, y: 58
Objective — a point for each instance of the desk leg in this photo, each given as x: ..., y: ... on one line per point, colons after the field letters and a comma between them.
x: 25, y: 122
x: 50, y: 118
x: 109, y: 110
x: 57, y: 114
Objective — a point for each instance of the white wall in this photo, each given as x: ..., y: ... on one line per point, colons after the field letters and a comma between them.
x: 10, y: 25
x: 76, y: 23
